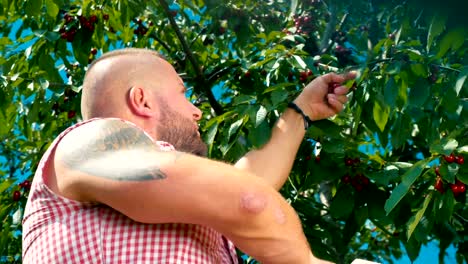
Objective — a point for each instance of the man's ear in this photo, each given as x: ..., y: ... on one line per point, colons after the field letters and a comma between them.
x: 139, y: 102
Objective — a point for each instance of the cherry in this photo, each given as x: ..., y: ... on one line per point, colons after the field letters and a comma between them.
x: 222, y: 30
x: 309, y: 72
x: 450, y: 158
x: 247, y: 74
x: 332, y: 86
x: 150, y: 23
x: 16, y: 196
x: 25, y: 185
x: 68, y: 18
x: 303, y: 76
x: 346, y: 178
x: 455, y: 189
x: 317, y: 159
x: 439, y: 185
x: 105, y: 17
x: 71, y: 114
x: 437, y: 170
x: 348, y: 162
x: 460, y: 159
x: 93, y: 19
x: 364, y: 180
x: 94, y: 51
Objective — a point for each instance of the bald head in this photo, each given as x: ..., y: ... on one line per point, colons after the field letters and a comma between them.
x: 109, y: 79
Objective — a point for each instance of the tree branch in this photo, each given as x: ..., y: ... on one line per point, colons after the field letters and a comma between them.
x: 198, y: 70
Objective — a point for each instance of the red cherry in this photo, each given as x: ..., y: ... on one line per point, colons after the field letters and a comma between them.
x: 26, y: 185
x: 71, y: 114
x: 317, y: 159
x: 462, y: 188
x: 16, y: 196
x: 437, y: 170
x: 68, y: 18
x: 460, y: 159
x: 247, y: 74
x: 450, y: 158
x: 332, y: 86
x: 346, y: 178
x: 93, y: 18
x: 439, y: 185
x: 455, y: 189
x: 309, y: 72
x: 348, y: 162
x: 94, y: 51
x: 105, y: 17
x: 364, y: 180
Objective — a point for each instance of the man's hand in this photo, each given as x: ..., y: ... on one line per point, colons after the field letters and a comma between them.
x: 316, y: 101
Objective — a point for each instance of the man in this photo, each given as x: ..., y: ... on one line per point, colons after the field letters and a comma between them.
x: 112, y: 189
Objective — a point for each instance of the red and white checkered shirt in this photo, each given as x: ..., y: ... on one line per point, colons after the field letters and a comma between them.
x: 60, y: 230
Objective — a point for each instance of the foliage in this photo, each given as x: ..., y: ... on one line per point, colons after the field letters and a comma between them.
x: 362, y: 183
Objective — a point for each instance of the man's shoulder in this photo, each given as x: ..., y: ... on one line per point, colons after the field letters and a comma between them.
x: 102, y: 129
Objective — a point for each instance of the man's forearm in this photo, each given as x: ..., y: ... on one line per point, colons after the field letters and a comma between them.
x: 273, y: 162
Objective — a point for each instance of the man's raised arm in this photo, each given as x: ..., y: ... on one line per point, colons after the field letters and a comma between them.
x: 114, y: 163
x: 273, y: 162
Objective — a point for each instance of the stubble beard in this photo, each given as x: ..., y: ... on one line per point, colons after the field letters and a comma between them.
x: 180, y: 132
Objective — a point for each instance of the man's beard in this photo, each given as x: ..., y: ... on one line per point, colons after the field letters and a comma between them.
x: 179, y: 131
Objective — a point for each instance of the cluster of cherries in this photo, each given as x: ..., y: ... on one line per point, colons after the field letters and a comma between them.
x: 358, y: 181
x: 458, y: 187
x: 452, y: 158
x: 304, y: 24
x: 142, y: 29
x: 72, y: 23
x: 304, y: 75
x: 25, y: 185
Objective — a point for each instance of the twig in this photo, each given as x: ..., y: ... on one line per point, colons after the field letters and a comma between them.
x: 198, y: 70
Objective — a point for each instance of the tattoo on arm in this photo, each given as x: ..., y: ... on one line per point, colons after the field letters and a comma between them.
x: 117, y: 151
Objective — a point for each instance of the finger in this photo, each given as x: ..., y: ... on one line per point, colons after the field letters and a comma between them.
x: 339, y: 78
x: 334, y: 103
x: 333, y: 77
x: 350, y: 75
x: 340, y: 90
x: 342, y: 98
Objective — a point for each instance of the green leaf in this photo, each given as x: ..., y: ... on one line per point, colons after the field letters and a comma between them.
x: 234, y: 127
x: 414, y: 220
x: 293, y: 8
x: 413, y: 248
x: 461, y: 80
x: 52, y: 8
x: 444, y: 146
x: 419, y: 93
x: 300, y: 62
x: 381, y: 114
x: 454, y: 39
x: 437, y: 26
x: 5, y: 185
x: 342, y: 204
x: 390, y: 92
x: 419, y: 69
x: 402, y: 189
x: 211, y: 133
x: 260, y: 116
x: 33, y: 7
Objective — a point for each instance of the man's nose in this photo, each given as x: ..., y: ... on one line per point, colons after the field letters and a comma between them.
x: 197, y: 113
